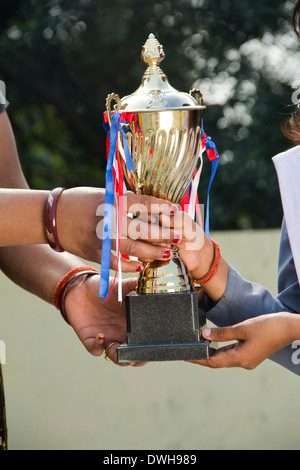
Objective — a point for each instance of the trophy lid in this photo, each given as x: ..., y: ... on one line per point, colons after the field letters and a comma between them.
x: 155, y: 93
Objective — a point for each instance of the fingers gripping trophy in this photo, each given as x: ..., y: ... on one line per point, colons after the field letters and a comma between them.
x: 162, y: 127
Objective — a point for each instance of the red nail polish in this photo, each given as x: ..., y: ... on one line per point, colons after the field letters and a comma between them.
x: 174, y: 210
x: 138, y: 269
x: 176, y: 239
x: 167, y: 254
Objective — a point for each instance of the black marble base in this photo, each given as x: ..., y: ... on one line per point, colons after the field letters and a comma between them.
x: 163, y: 327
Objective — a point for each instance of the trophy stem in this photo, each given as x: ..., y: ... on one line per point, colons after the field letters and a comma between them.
x: 164, y: 277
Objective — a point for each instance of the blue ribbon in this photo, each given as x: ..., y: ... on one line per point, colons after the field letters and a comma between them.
x: 210, y: 145
x: 109, y: 200
x: 214, y: 166
x: 128, y: 159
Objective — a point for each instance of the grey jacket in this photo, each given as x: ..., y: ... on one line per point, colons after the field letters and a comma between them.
x: 243, y: 299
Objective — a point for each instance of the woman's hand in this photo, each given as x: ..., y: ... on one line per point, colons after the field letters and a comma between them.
x: 98, y: 323
x: 79, y: 225
x: 257, y: 339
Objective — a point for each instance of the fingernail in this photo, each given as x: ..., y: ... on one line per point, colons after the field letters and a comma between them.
x: 101, y: 337
x: 167, y: 254
x: 177, y: 238
x: 138, y: 269
x: 206, y: 332
x: 174, y: 209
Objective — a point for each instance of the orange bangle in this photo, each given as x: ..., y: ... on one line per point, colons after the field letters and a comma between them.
x: 214, y: 267
x: 60, y: 291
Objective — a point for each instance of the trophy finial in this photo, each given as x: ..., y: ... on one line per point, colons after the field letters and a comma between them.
x: 152, y: 51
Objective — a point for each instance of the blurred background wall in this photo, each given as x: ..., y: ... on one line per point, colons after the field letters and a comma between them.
x: 59, y: 60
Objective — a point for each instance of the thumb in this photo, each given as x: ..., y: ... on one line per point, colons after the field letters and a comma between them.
x: 222, y: 334
x: 95, y: 345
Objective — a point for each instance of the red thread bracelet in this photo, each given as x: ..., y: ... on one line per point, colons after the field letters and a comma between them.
x: 214, y: 267
x: 50, y: 219
x: 62, y: 287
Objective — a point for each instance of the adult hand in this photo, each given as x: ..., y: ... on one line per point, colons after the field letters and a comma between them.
x: 257, y: 339
x: 79, y: 211
x: 98, y: 324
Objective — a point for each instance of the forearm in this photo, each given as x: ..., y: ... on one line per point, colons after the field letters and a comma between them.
x: 36, y: 268
x: 215, y: 288
x: 292, y: 327
x: 22, y: 214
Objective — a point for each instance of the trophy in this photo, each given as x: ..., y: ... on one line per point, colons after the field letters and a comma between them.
x: 163, y: 132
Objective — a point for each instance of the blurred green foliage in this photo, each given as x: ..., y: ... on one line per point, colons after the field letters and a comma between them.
x: 60, y: 59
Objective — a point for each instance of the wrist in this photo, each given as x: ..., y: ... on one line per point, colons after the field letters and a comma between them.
x: 69, y: 281
x: 291, y: 326
x: 205, y: 260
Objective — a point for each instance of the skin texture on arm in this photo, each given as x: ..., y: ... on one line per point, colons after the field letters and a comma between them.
x: 9, y: 159
x: 20, y: 213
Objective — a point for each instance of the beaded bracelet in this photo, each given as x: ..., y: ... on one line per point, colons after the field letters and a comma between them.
x: 214, y: 267
x: 62, y: 287
x: 50, y: 219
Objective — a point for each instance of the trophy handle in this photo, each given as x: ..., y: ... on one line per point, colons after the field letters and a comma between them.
x: 195, y: 93
x: 117, y: 106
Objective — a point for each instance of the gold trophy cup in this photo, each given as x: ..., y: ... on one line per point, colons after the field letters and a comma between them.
x: 163, y: 132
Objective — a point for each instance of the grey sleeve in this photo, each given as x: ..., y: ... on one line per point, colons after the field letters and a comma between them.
x: 244, y: 299
x: 241, y: 300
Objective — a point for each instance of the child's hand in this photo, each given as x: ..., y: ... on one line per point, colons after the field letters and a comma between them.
x: 195, y: 249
